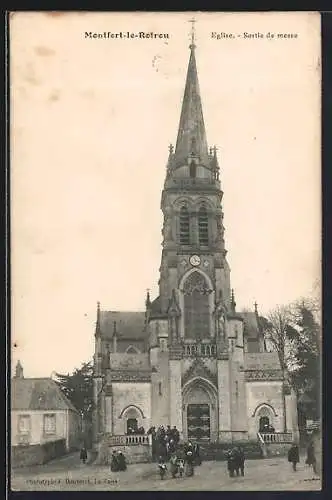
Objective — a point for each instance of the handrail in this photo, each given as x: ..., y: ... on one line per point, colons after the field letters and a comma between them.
x: 277, y: 437
x: 260, y: 438
x: 129, y: 440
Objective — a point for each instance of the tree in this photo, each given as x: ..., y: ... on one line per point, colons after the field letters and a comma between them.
x: 306, y: 377
x: 294, y: 333
x: 78, y: 387
x: 280, y: 334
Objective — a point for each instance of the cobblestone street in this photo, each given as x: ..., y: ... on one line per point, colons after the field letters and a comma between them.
x: 68, y: 474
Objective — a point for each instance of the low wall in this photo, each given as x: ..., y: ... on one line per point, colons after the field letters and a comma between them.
x: 136, y: 448
x: 218, y: 451
x: 38, y: 454
x: 277, y: 449
x: 140, y: 453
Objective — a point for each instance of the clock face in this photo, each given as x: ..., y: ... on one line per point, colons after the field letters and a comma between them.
x: 195, y: 260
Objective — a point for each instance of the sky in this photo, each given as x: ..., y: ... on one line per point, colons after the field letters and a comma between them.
x: 91, y: 122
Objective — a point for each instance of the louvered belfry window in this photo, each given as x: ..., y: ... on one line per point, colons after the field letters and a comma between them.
x: 184, y: 226
x: 203, y: 227
x: 196, y: 307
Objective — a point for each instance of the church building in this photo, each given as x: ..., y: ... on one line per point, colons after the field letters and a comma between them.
x: 191, y: 359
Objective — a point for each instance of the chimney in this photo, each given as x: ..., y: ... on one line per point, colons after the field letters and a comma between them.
x: 19, y: 370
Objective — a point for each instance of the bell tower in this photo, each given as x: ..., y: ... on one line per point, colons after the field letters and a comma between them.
x: 193, y: 231
x: 189, y: 322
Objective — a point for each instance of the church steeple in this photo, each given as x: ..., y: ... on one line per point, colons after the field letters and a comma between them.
x: 191, y: 139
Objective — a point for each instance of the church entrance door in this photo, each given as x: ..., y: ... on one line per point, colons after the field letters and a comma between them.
x: 198, y: 421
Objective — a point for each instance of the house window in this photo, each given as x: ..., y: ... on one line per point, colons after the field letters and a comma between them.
x: 49, y: 423
x: 203, y: 227
x: 24, y: 424
x: 184, y: 227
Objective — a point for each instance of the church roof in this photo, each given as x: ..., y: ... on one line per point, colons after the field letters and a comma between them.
x: 191, y: 134
x: 251, y: 326
x: 128, y: 324
x: 155, y: 309
x: 38, y: 394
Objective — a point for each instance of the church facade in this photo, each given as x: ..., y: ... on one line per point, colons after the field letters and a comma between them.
x: 190, y: 360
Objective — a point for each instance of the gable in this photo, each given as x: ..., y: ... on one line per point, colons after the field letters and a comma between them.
x: 199, y: 369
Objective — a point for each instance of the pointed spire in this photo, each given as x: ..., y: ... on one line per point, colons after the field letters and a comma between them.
x: 191, y: 139
x: 147, y: 300
x: 115, y: 333
x: 256, y: 308
x: 193, y: 33
x: 98, y: 328
x: 233, y: 303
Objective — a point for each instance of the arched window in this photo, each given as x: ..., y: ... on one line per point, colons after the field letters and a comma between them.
x: 192, y: 169
x: 203, y: 227
x: 132, y: 350
x: 184, y: 227
x: 196, y: 307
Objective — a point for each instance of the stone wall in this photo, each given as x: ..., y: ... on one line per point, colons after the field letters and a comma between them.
x: 25, y: 456
x: 267, y: 393
x: 124, y: 361
x: 141, y: 453
x: 261, y: 361
x: 37, y: 435
x: 160, y: 407
x: 134, y: 397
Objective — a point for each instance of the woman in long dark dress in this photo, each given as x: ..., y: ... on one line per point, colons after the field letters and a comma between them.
x: 294, y: 456
x: 311, y: 457
x: 114, y: 462
x: 121, y: 461
x: 197, y: 457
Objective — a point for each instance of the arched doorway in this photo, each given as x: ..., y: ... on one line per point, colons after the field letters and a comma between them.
x: 132, y: 419
x: 264, y: 424
x: 200, y: 411
x: 132, y: 425
x: 198, y: 421
x: 265, y: 418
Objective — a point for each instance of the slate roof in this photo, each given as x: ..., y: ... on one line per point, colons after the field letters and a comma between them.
x: 129, y: 324
x: 155, y: 309
x: 191, y: 124
x: 38, y: 394
x: 251, y: 326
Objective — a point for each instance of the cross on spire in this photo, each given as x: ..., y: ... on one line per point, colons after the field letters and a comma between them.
x: 193, y: 33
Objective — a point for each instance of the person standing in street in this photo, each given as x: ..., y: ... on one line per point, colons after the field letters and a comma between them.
x: 294, y: 456
x: 83, y: 454
x: 311, y: 457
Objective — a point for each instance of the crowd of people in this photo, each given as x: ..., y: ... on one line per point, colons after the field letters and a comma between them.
x: 118, y: 461
x: 164, y: 441
x: 182, y: 461
x: 183, y: 457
